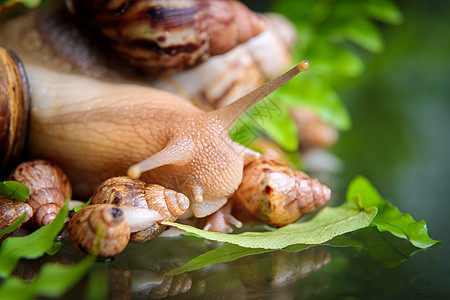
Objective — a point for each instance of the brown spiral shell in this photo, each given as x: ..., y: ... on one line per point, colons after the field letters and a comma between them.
x: 277, y: 195
x: 124, y: 191
x: 168, y: 36
x: 14, y: 108
x: 49, y: 189
x: 99, y: 229
x: 10, y: 211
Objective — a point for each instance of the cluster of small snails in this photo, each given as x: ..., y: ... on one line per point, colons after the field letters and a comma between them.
x: 99, y: 128
x: 49, y: 190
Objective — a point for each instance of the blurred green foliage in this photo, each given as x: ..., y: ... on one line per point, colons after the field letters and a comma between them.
x: 333, y: 35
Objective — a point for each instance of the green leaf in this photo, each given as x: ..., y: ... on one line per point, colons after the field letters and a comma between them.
x: 283, y: 131
x: 319, y: 97
x: 328, y: 223
x: 31, y: 246
x: 76, y: 209
x: 357, y: 30
x: 14, y: 190
x: 14, y: 225
x: 269, y: 118
x: 333, y: 61
x: 384, y: 247
x: 225, y: 253
x: 384, y: 10
x: 52, y: 281
x: 389, y: 218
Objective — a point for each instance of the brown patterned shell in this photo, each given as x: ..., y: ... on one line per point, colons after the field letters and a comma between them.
x: 14, y: 108
x: 49, y: 188
x: 277, y: 195
x: 124, y: 191
x: 10, y: 211
x: 168, y: 36
x: 99, y: 229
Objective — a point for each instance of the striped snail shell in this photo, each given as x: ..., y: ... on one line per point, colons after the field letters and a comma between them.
x: 10, y: 211
x: 14, y: 108
x: 99, y: 229
x: 124, y: 191
x: 168, y: 36
x: 49, y: 189
x: 277, y: 195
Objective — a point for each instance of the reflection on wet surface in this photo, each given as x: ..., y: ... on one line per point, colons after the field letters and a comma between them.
x: 138, y: 273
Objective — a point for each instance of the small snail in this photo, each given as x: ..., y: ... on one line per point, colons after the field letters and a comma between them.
x: 49, y: 189
x: 167, y: 36
x: 124, y: 191
x: 275, y: 194
x: 14, y: 108
x: 100, y: 229
x: 312, y: 131
x: 10, y: 211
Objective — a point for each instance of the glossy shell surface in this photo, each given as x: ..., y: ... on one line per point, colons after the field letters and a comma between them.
x: 14, y: 108
x: 124, y: 191
x: 99, y: 229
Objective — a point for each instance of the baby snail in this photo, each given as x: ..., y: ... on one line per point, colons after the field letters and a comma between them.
x: 100, y: 229
x: 49, y: 189
x: 168, y: 36
x: 275, y: 194
x: 10, y: 211
x: 125, y: 191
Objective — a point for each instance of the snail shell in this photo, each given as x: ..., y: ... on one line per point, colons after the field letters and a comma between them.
x: 14, y: 108
x: 124, y: 191
x: 312, y: 131
x: 167, y: 36
x: 277, y: 195
x: 49, y: 188
x: 10, y: 211
x: 99, y: 229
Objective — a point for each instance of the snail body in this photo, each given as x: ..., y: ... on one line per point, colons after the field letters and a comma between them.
x: 101, y: 130
x: 96, y: 130
x: 125, y: 191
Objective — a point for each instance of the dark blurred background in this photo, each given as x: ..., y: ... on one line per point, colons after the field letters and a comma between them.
x: 400, y: 138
